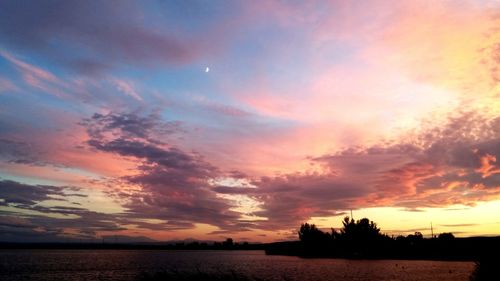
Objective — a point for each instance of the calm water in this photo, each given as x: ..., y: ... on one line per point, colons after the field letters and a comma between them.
x: 127, y: 265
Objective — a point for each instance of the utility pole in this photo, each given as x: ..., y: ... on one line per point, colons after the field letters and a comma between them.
x: 432, y: 231
x: 351, y: 215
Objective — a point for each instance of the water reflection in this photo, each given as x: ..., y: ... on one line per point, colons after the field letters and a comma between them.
x: 129, y: 265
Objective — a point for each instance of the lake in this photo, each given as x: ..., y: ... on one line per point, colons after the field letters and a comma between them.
x: 89, y: 265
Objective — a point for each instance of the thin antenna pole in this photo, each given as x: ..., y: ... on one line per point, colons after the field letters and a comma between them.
x: 351, y: 215
x: 432, y: 231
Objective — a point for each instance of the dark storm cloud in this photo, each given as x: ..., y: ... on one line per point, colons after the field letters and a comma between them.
x: 235, y: 190
x: 25, y: 195
x: 23, y: 214
x: 84, y: 224
x: 130, y: 125
x: 32, y: 225
x: 27, y: 234
x: 30, y: 198
x: 167, y: 157
x: 12, y: 221
x: 289, y: 200
x: 174, y: 183
x: 20, y: 152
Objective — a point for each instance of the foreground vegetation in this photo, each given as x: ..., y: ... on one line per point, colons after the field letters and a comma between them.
x: 486, y: 270
x: 363, y: 239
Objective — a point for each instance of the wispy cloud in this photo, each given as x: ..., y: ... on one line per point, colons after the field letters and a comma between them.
x: 35, y: 76
x: 7, y: 86
x: 126, y: 88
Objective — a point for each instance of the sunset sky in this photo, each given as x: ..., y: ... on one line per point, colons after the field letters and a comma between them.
x: 244, y: 119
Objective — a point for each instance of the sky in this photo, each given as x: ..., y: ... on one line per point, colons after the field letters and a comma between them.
x: 167, y: 120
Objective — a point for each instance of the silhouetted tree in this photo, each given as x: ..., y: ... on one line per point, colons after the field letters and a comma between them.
x: 446, y: 236
x: 310, y: 234
x: 228, y: 242
x: 335, y: 234
x: 416, y: 237
x: 349, y: 226
x: 400, y: 238
x: 361, y: 236
x: 361, y: 230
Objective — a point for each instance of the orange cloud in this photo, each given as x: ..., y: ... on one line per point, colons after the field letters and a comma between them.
x: 488, y: 167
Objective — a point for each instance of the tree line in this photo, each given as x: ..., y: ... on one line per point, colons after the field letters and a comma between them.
x: 363, y: 239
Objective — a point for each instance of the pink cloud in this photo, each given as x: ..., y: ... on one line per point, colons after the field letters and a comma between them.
x: 31, y: 71
x: 127, y: 88
x: 7, y: 86
x: 37, y: 77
